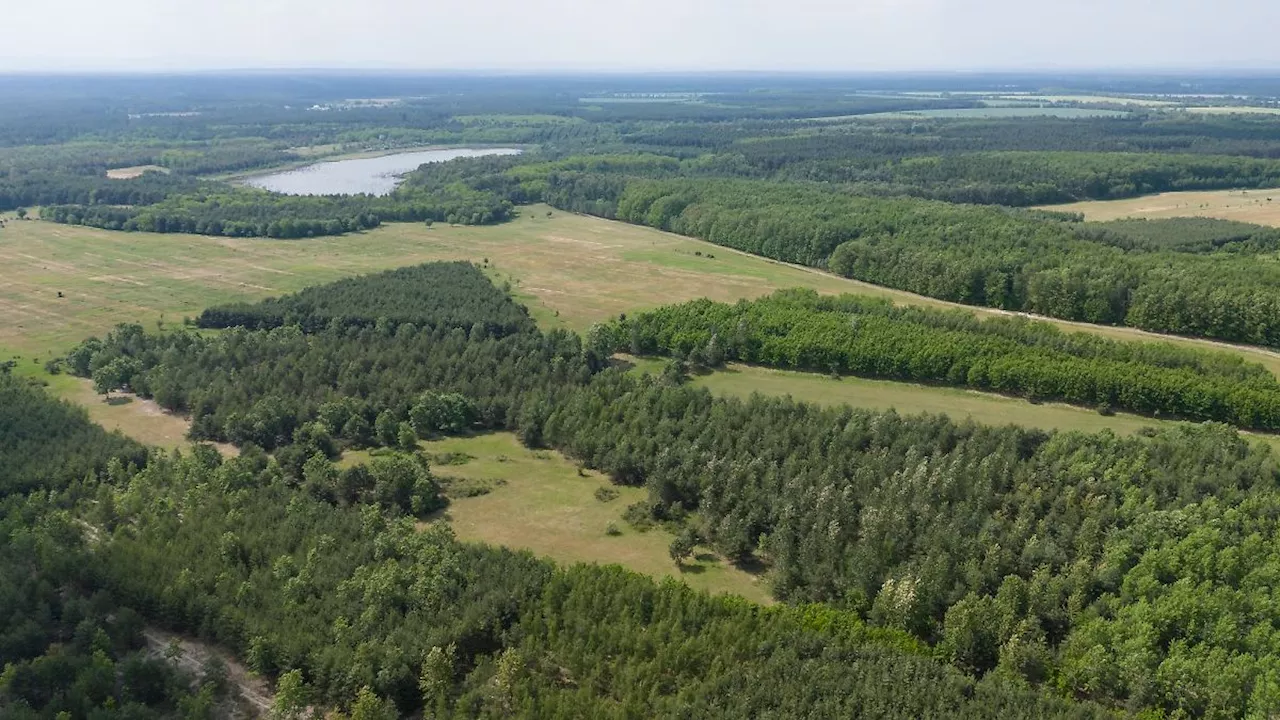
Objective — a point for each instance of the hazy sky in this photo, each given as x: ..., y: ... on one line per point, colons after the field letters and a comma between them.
x: 639, y: 34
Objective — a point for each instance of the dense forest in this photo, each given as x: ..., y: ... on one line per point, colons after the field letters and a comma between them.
x: 68, y: 649
x: 239, y: 553
x: 65, y: 645
x: 409, y: 619
x: 1068, y: 560
x: 851, y: 335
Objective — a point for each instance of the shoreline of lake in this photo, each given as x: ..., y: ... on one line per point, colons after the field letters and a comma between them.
x: 377, y: 172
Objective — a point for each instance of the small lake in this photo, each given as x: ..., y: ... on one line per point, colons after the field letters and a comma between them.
x: 375, y: 175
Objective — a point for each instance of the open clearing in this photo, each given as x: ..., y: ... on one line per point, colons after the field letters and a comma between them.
x: 137, y: 171
x: 250, y: 696
x: 142, y: 420
x: 1261, y: 207
x: 543, y: 505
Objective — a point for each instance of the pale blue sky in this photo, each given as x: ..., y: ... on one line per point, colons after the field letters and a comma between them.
x: 851, y: 35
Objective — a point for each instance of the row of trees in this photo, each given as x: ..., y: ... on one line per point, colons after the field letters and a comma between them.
x: 800, y: 330
x: 242, y: 212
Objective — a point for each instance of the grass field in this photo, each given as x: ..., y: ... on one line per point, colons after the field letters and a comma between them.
x: 544, y: 505
x: 584, y: 269
x: 142, y: 420
x: 1255, y: 206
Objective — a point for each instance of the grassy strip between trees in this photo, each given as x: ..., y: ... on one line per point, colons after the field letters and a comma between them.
x: 853, y: 335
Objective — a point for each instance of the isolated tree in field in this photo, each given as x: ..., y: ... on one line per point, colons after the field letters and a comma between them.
x: 674, y: 372
x: 682, y: 546
x: 22, y: 213
x: 115, y: 375
x: 713, y: 354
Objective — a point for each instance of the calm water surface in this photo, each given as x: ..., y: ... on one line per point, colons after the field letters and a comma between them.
x: 376, y: 176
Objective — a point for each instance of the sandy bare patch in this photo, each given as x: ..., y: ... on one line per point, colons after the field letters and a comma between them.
x: 137, y: 171
x: 194, y: 657
x: 141, y: 419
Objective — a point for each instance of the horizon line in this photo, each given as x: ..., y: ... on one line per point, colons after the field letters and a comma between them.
x: 1170, y: 71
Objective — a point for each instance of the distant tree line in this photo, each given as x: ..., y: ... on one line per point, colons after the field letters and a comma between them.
x: 243, y: 212
x: 1188, y: 235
